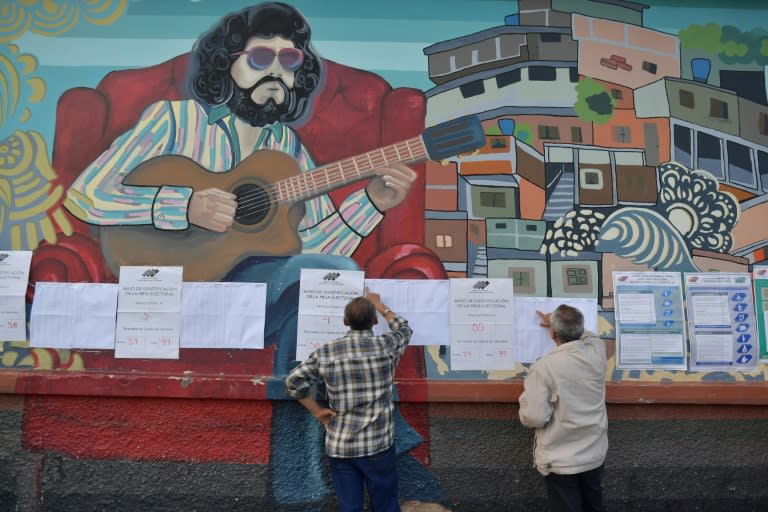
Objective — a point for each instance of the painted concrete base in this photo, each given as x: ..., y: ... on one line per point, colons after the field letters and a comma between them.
x: 704, y: 459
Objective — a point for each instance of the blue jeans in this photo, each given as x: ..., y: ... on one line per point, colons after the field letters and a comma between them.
x: 582, y: 492
x: 298, y: 476
x: 377, y: 472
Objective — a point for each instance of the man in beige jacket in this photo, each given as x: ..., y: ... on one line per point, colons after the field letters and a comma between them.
x: 564, y: 400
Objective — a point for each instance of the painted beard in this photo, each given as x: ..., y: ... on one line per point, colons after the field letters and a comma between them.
x: 242, y: 106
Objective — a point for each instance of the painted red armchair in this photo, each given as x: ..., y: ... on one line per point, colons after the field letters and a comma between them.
x: 355, y: 112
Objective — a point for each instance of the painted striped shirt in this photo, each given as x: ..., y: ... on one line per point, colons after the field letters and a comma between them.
x: 208, y: 136
x: 358, y: 371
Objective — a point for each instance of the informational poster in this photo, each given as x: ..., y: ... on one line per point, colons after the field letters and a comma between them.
x: 423, y: 302
x: 148, y: 312
x: 531, y: 339
x: 14, y: 276
x: 760, y: 276
x: 721, y: 321
x: 482, y: 324
x: 650, y: 320
x: 323, y: 295
x: 223, y: 315
x: 73, y: 315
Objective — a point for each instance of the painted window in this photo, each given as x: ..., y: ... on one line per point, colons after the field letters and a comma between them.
x: 520, y: 278
x: 686, y: 99
x: 591, y: 179
x: 542, y: 73
x: 622, y: 134
x: 498, y: 142
x: 617, y: 94
x: 709, y: 154
x: 577, y: 278
x: 550, y: 37
x: 576, y: 134
x: 508, y: 78
x: 573, y: 74
x: 762, y: 165
x: 444, y: 241
x: 740, y: 164
x: 493, y: 199
x: 549, y: 132
x: 762, y: 123
x: 475, y: 88
x: 683, y: 145
x: 718, y: 109
x: 650, y: 67
x: 523, y: 279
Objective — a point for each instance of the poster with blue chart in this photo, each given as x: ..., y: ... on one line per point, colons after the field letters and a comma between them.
x: 721, y: 321
x: 650, y: 320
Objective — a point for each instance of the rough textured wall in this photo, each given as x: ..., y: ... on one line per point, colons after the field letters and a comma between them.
x: 660, y: 458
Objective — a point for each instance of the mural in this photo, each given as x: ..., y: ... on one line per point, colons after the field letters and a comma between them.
x: 618, y: 135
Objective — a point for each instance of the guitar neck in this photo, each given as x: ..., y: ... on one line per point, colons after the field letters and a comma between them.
x: 332, y: 176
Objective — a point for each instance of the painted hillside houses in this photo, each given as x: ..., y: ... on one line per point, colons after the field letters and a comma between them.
x: 607, y: 148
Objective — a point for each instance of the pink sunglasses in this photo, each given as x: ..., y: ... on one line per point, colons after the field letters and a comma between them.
x: 261, y: 57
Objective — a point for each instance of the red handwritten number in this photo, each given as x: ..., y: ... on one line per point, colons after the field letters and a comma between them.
x: 314, y: 345
x: 503, y: 354
x: 466, y: 353
x: 146, y: 316
x: 165, y: 341
x: 12, y: 324
x: 132, y: 341
x: 478, y: 327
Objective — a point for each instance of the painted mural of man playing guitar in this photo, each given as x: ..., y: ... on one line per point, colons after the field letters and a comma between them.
x: 251, y: 75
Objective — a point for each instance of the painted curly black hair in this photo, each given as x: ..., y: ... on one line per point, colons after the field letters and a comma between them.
x: 211, y: 57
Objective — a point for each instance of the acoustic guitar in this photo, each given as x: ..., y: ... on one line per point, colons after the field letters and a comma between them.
x: 270, y: 190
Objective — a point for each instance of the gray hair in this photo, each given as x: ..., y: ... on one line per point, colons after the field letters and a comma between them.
x: 567, y: 323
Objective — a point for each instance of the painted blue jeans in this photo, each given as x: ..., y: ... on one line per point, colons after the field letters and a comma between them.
x: 299, y: 472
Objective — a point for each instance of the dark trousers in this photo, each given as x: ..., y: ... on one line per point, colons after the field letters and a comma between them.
x: 582, y: 492
x: 376, y: 472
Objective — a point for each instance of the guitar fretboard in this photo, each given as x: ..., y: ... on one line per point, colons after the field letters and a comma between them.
x: 331, y: 176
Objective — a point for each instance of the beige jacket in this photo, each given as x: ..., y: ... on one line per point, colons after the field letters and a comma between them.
x: 564, y: 400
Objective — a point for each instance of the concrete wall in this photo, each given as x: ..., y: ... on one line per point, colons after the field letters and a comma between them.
x: 661, y: 457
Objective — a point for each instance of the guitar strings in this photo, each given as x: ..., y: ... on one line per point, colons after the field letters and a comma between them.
x: 263, y: 197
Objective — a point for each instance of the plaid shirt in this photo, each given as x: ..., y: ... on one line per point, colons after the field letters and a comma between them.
x: 358, y: 371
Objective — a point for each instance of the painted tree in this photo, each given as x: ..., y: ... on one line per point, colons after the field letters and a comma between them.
x: 729, y: 43
x: 593, y: 103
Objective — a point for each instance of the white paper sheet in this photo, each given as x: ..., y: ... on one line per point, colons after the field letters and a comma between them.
x: 323, y: 295
x: 482, y: 331
x: 148, y: 312
x: 223, y: 315
x: 150, y: 335
x: 423, y: 302
x: 14, y: 277
x: 533, y: 341
x: 73, y: 315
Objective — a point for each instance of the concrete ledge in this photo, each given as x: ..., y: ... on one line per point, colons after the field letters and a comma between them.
x: 243, y: 387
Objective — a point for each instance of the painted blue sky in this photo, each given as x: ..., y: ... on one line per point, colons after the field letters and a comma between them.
x: 386, y: 38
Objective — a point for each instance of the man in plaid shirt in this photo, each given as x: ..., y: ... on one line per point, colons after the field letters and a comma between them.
x: 358, y: 371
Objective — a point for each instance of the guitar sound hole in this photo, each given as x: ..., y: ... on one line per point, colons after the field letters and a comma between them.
x: 253, y: 204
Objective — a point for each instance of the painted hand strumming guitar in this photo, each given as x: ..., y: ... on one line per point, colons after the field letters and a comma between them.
x: 270, y: 191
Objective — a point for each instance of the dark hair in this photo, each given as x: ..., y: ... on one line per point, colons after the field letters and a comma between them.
x: 360, y: 314
x: 211, y: 57
x: 567, y: 323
